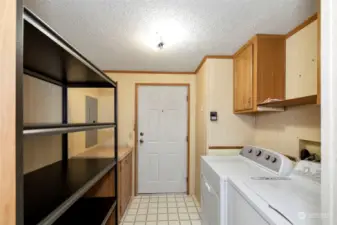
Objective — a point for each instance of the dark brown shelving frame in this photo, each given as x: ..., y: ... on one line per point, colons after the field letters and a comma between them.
x: 54, y: 194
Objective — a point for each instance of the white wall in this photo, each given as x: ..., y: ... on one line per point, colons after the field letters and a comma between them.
x: 281, y: 131
x: 329, y: 110
x: 230, y: 129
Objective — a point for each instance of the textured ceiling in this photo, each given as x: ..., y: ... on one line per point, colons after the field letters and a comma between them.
x: 115, y: 34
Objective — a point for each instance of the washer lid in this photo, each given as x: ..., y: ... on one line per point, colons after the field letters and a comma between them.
x: 298, y: 200
x: 235, y: 166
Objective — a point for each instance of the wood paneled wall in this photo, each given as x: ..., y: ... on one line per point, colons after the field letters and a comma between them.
x: 10, y: 115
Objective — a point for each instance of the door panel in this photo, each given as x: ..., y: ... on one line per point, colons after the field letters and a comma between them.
x: 153, y: 161
x: 162, y: 155
x: 243, y: 78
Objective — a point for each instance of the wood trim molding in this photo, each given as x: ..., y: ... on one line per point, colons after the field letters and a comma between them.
x: 11, y: 113
x: 137, y: 85
x: 224, y: 147
x: 172, y: 73
x: 136, y: 141
x: 302, y: 25
x: 200, y: 65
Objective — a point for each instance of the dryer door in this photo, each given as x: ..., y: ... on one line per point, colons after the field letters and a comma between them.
x: 210, y: 204
x: 240, y: 212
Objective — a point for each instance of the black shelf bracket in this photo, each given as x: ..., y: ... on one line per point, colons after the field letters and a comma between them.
x: 65, y: 120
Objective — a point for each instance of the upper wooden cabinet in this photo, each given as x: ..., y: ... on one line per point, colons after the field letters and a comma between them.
x: 303, y: 80
x: 259, y: 72
x: 301, y: 62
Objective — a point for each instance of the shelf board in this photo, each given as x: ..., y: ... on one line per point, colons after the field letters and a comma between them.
x: 51, y: 190
x: 93, y: 211
x: 49, y: 57
x: 312, y: 99
x: 51, y: 129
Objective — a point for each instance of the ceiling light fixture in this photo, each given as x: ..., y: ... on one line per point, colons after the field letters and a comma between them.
x: 163, y: 34
x: 160, y: 45
x: 160, y: 42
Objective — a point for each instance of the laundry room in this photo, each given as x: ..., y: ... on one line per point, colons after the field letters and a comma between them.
x: 143, y: 112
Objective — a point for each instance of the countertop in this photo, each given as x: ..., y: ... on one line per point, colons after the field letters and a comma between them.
x: 105, y: 152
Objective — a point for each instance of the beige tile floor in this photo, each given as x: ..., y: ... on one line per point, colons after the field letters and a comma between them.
x: 162, y: 209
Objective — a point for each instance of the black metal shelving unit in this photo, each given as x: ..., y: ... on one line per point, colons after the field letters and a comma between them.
x: 52, y: 129
x: 54, y: 194
x: 89, y: 211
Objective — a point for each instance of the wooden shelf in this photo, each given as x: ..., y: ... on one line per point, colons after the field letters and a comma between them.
x: 312, y: 99
x: 51, y: 129
x: 105, y: 152
x: 93, y: 211
x: 49, y: 57
x: 51, y: 190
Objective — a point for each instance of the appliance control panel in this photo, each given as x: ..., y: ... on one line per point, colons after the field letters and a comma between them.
x: 268, y: 158
x: 308, y: 169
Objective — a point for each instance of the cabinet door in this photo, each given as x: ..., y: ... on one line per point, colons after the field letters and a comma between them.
x: 121, y: 189
x: 129, y: 178
x: 301, y: 62
x: 124, y: 184
x: 243, y: 80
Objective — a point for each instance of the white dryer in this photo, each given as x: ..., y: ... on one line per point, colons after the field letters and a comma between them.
x: 297, y: 198
x: 216, y: 170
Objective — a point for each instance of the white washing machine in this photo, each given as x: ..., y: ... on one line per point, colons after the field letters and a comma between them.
x: 216, y: 170
x: 297, y: 199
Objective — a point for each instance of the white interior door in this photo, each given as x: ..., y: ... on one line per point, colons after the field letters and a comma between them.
x: 162, y: 139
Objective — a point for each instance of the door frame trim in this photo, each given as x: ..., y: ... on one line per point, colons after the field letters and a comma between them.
x: 137, y: 85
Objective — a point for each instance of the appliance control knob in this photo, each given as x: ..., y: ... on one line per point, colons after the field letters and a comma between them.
x: 274, y: 159
x: 258, y: 152
x: 250, y: 150
x: 267, y: 157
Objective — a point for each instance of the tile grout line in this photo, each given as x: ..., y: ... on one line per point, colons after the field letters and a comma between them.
x: 186, y: 200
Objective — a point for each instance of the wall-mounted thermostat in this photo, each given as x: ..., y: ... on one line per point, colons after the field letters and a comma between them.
x: 214, y: 116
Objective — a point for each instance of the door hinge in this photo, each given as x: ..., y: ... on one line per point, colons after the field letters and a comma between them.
x: 187, y: 138
x: 187, y: 98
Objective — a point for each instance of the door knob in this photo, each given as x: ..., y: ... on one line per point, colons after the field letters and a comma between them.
x: 141, y: 141
x: 141, y: 134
